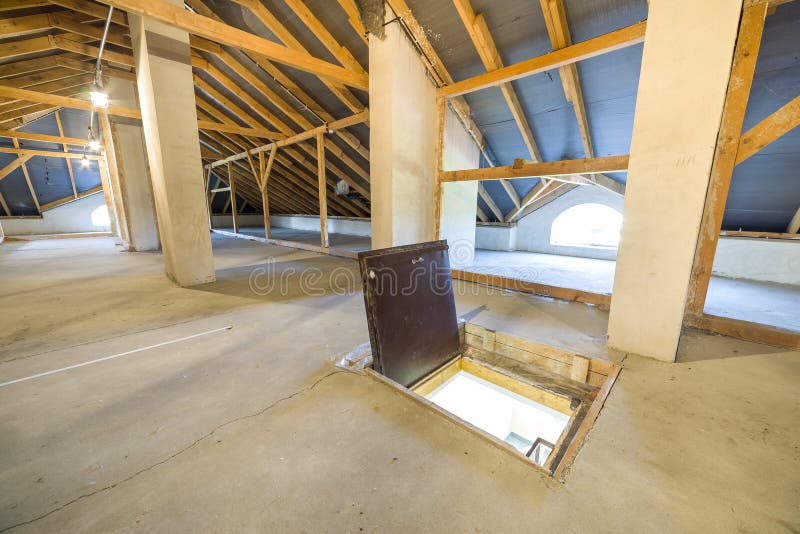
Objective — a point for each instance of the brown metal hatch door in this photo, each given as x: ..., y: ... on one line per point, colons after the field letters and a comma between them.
x: 411, y: 312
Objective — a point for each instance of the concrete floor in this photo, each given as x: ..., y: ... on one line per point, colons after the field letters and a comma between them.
x: 759, y: 302
x: 254, y: 429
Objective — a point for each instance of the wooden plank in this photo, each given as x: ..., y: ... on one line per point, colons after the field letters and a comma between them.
x: 28, y: 181
x: 794, y: 225
x: 10, y: 5
x: 330, y: 251
x: 58, y: 139
x: 587, y: 297
x: 427, y: 385
x: 489, y: 202
x: 755, y: 332
x: 550, y: 169
x: 70, y: 198
x: 323, y: 192
x: 234, y: 211
x: 67, y: 102
x: 745, y: 56
x: 352, y: 120
x: 586, y: 424
x: 222, y: 33
x: 239, y: 130
x: 26, y: 46
x: 84, y: 49
x: 265, y: 189
x: 580, y: 369
x: 48, y: 153
x: 66, y: 150
x: 603, y: 44
x: 759, y: 235
x: 439, y: 148
x: 765, y: 132
x: 490, y: 57
x: 12, y: 166
x: 23, y: 25
x: 538, y: 395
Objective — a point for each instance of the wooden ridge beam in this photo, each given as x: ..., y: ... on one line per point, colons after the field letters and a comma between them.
x: 550, y: 169
x: 622, y: 38
x: 228, y: 35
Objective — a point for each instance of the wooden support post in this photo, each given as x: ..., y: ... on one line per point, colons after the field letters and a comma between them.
x: 265, y: 172
x: 234, y: 211
x: 69, y: 163
x: 119, y: 201
x: 28, y: 179
x: 323, y: 192
x: 108, y: 195
x: 208, y: 197
x: 441, y: 114
x: 744, y: 62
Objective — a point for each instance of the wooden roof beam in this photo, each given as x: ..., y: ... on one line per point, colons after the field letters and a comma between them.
x: 228, y: 35
x: 622, y: 38
x: 556, y: 170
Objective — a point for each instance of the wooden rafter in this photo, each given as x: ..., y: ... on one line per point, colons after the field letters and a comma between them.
x: 65, y: 148
x: 768, y: 130
x: 222, y: 33
x: 745, y: 56
x: 27, y: 176
x: 622, y: 38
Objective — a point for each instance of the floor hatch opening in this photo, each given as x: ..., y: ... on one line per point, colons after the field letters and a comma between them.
x: 534, y: 401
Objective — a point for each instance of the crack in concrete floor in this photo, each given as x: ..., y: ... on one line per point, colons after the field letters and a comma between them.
x: 177, y: 453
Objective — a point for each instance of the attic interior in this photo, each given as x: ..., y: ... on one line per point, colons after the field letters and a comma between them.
x: 594, y: 207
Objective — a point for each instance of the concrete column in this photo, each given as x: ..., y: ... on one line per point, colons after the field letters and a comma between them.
x: 402, y: 137
x: 674, y: 135
x: 459, y: 199
x: 166, y: 94
x: 135, y: 186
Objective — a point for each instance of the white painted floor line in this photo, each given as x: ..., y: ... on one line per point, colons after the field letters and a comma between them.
x: 121, y: 354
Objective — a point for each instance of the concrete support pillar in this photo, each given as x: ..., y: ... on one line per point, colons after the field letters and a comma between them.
x: 672, y: 148
x: 459, y: 199
x: 402, y: 136
x: 130, y: 160
x: 169, y: 117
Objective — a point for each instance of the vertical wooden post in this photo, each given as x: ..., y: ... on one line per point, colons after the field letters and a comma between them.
x: 115, y: 181
x: 323, y: 192
x: 208, y: 197
x: 265, y: 172
x: 234, y: 211
x: 744, y: 62
x: 109, y: 197
x: 441, y: 113
x: 69, y: 162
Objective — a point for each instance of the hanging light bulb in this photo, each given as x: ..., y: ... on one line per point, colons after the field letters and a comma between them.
x: 97, y: 94
x: 94, y: 144
x: 84, y: 160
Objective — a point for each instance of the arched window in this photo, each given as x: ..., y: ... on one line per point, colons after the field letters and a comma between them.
x: 587, y: 225
x: 100, y: 216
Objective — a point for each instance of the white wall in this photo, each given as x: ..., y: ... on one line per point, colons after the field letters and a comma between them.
x: 765, y: 260
x: 74, y: 217
x: 310, y: 223
x: 457, y: 217
x: 532, y: 232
